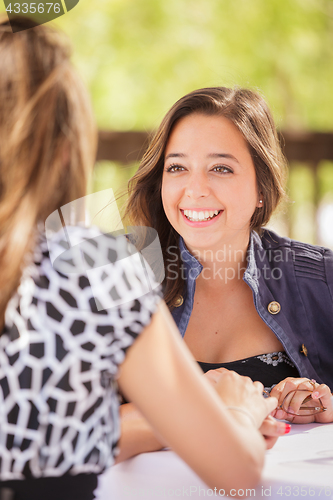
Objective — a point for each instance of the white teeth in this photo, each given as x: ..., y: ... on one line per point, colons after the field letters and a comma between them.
x: 195, y: 216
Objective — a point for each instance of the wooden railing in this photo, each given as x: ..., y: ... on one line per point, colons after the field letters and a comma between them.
x: 126, y: 147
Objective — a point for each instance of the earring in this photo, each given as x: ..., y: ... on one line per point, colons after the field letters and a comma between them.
x: 260, y: 201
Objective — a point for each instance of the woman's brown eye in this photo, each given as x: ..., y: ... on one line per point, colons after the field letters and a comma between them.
x: 223, y: 169
x: 174, y: 168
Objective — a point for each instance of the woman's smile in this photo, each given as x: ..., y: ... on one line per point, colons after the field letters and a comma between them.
x: 201, y: 217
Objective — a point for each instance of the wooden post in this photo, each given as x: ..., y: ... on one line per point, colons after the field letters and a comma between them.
x: 316, y: 199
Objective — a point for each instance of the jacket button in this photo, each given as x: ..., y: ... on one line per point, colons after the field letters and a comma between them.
x: 274, y: 307
x: 178, y: 301
x: 304, y: 350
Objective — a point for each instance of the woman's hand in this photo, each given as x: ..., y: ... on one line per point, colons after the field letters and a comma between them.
x: 240, y: 392
x: 270, y: 428
x: 311, y: 388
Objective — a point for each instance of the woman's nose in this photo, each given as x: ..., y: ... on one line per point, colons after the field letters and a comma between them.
x: 197, y: 186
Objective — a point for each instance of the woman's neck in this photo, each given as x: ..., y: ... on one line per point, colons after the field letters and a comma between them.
x: 223, y: 266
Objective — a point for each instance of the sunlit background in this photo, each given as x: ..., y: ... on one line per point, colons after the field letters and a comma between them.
x: 139, y: 56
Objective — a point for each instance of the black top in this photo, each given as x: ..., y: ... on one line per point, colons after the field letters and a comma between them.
x: 269, y: 369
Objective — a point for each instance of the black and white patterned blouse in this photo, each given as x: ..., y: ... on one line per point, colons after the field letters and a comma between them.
x: 60, y: 353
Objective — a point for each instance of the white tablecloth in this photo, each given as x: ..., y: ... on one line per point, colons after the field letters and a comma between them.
x: 300, y: 465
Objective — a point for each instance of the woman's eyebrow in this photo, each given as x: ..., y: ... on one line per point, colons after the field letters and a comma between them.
x: 175, y: 155
x: 223, y: 155
x: 211, y: 155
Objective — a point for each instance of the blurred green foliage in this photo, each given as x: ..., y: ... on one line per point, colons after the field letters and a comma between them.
x: 139, y: 56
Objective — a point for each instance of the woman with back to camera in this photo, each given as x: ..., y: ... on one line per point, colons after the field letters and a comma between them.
x: 60, y: 354
x: 243, y: 297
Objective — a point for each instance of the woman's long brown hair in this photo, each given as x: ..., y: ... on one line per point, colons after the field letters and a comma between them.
x: 47, y: 140
x: 248, y: 111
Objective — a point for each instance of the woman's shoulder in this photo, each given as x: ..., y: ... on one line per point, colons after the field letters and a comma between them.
x: 72, y: 262
x: 307, y: 259
x: 269, y: 240
x: 105, y: 263
x: 70, y: 253
x: 81, y: 247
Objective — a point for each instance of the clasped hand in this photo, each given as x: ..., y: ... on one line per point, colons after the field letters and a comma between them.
x: 311, y: 388
x: 236, y: 390
x: 233, y: 387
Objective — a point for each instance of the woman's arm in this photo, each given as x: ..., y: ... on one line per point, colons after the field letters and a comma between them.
x: 162, y: 379
x: 137, y: 436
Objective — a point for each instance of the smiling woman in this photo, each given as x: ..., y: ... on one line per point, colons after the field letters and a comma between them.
x: 243, y: 298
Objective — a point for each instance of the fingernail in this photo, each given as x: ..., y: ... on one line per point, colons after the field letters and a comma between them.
x: 315, y: 394
x: 287, y: 429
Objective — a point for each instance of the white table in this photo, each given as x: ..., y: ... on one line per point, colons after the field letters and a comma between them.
x: 299, y: 465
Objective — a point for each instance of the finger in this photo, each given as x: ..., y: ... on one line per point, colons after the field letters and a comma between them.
x: 270, y: 441
x: 282, y: 415
x: 259, y: 386
x: 291, y: 384
x: 325, y: 398
x: 296, y: 402
x: 271, y: 404
x: 278, y: 390
x: 322, y: 392
x: 225, y: 373
x: 212, y: 376
x: 220, y: 370
x: 273, y: 428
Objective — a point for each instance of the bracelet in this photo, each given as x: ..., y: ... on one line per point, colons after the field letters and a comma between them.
x: 247, y: 413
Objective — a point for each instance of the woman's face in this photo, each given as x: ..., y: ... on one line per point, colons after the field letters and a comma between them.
x: 209, y: 188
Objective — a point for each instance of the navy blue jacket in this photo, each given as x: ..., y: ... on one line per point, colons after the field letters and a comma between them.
x: 300, y: 278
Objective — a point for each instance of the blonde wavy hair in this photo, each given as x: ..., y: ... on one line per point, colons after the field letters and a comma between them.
x: 47, y: 140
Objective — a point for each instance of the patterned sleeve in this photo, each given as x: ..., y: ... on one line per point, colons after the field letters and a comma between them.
x: 80, y: 305
x: 116, y: 295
